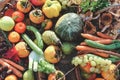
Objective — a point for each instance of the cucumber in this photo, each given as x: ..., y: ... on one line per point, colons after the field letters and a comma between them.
x: 32, y: 45
x: 37, y: 35
x: 94, y: 44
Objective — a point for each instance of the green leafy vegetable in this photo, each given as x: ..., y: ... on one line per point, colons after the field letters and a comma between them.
x: 44, y: 66
x: 94, y: 5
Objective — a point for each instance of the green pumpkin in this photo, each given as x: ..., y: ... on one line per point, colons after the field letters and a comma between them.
x: 69, y: 26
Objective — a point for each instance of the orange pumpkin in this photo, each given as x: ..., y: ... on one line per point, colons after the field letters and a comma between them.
x: 36, y: 16
x: 23, y: 6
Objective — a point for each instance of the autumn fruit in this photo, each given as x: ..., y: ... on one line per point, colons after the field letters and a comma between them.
x: 23, y: 6
x: 36, y: 16
x: 6, y: 23
x: 20, y: 27
x: 52, y: 54
x: 14, y: 36
x: 11, y: 77
x: 21, y: 47
x: 23, y: 53
x: 56, y: 75
x: 47, y: 24
x: 18, y: 16
x: 38, y: 2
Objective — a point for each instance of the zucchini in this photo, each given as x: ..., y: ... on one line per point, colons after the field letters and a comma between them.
x: 94, y: 44
x: 37, y: 35
x: 32, y: 45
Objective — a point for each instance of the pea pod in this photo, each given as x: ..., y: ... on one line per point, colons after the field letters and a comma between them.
x: 37, y: 35
x: 94, y: 44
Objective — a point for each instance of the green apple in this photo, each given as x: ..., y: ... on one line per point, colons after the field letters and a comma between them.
x: 6, y: 23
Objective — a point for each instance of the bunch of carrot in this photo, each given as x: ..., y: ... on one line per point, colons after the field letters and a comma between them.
x: 101, y: 45
x: 15, y: 68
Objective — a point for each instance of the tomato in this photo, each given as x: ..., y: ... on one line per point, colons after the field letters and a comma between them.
x: 38, y: 2
x: 52, y: 54
x: 36, y: 16
x: 20, y: 27
x: 56, y: 75
x: 23, y: 6
x: 18, y: 16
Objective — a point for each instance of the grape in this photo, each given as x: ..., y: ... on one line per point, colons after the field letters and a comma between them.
x: 85, y: 60
x: 79, y: 61
x: 98, y: 64
x: 83, y: 64
x: 92, y: 69
x: 93, y: 63
x: 75, y: 61
x: 108, y: 62
x: 95, y: 58
x: 97, y: 70
x: 90, y: 58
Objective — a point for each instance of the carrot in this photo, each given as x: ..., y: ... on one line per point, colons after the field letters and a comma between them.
x: 15, y: 71
x: 101, y: 54
x: 102, y: 41
x: 91, y: 37
x: 84, y: 48
x: 14, y: 64
x: 105, y: 36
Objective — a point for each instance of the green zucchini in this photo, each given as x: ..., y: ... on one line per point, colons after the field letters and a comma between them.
x: 94, y: 44
x: 37, y: 35
x: 32, y: 45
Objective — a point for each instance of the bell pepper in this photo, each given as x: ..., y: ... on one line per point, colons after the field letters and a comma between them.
x: 51, y: 8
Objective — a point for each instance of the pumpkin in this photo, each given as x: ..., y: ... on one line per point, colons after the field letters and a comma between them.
x: 69, y: 26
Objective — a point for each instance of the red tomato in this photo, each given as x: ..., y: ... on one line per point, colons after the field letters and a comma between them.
x: 18, y: 16
x: 20, y: 27
x: 38, y: 2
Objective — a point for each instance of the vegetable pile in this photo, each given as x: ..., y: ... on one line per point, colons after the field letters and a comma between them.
x: 59, y: 40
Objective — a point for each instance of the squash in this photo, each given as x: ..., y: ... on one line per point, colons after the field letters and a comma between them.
x: 50, y: 38
x: 69, y: 26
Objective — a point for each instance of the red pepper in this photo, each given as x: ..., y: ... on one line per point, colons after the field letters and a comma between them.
x: 12, y: 54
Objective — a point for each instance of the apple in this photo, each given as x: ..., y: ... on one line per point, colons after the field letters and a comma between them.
x: 6, y: 23
x: 38, y: 2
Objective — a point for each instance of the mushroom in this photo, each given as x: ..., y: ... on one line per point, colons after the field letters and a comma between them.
x: 116, y: 14
x: 89, y: 28
x: 106, y: 20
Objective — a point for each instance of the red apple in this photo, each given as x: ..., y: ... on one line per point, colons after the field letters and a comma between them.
x: 38, y: 2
